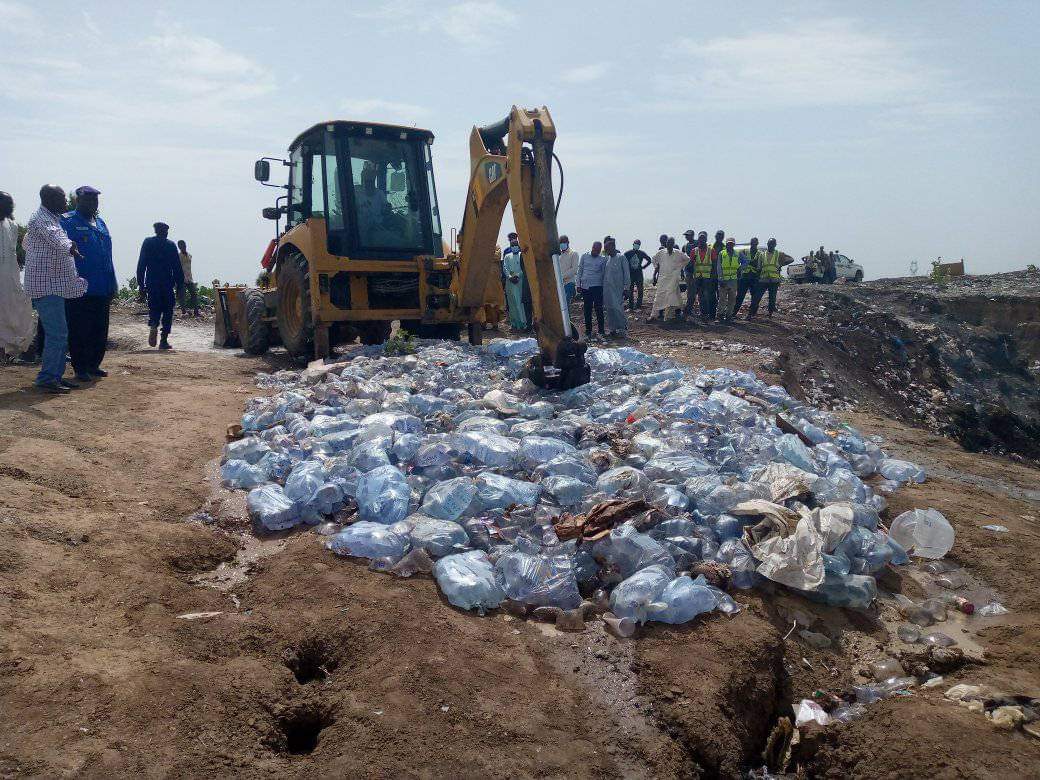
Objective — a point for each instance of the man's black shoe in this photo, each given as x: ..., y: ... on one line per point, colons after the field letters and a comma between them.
x: 99, y: 373
x: 53, y: 388
x: 69, y: 384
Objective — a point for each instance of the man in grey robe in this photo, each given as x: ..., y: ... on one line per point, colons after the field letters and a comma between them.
x: 616, y: 281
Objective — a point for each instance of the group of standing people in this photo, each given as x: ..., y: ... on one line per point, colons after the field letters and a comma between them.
x: 70, y: 281
x: 821, y: 266
x: 603, y: 277
x: 716, y: 278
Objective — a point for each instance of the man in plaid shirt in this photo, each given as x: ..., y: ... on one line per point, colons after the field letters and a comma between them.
x: 50, y: 278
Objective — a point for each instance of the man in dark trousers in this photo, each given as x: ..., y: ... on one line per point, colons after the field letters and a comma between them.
x: 88, y: 316
x: 159, y: 274
x: 638, y: 261
x: 750, y: 266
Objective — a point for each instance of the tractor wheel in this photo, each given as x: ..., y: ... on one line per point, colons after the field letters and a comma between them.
x: 374, y: 332
x: 294, y: 305
x: 452, y: 331
x: 256, y: 337
x: 412, y: 326
x: 859, y: 276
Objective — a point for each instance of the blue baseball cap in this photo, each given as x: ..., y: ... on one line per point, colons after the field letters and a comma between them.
x: 86, y: 189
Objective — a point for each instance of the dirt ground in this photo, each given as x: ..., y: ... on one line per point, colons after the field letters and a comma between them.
x: 315, y: 666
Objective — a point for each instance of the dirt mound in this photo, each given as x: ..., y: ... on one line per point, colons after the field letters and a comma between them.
x: 961, y: 358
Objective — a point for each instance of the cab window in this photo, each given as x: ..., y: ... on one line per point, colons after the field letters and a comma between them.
x: 316, y: 177
x: 296, y: 212
x: 387, y: 182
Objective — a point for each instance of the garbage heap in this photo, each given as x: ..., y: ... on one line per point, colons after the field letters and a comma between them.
x: 654, y: 491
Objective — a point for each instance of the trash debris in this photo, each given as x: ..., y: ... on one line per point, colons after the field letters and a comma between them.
x: 1007, y: 712
x: 925, y: 530
x: 991, y: 609
x: 198, y: 615
x: 997, y: 529
x: 653, y: 489
x: 810, y: 712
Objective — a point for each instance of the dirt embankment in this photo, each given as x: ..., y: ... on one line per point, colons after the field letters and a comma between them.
x: 315, y: 666
x: 961, y: 358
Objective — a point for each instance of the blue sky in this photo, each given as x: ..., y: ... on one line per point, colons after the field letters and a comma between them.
x: 890, y: 131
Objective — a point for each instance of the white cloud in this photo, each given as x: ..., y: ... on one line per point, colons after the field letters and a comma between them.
x: 198, y: 66
x: 18, y: 18
x: 834, y: 62
x: 474, y: 23
x: 379, y: 110
x: 470, y: 23
x: 584, y: 74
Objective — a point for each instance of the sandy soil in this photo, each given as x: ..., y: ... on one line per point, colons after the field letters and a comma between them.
x: 315, y: 666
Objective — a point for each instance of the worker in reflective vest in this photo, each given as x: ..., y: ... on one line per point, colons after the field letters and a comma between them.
x: 729, y: 271
x: 750, y: 266
x: 768, y: 278
x: 704, y: 281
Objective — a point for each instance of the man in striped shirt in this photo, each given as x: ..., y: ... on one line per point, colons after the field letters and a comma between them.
x: 51, y: 278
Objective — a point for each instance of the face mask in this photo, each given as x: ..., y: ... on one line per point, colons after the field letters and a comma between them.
x: 514, y: 244
x: 635, y: 246
x: 564, y: 246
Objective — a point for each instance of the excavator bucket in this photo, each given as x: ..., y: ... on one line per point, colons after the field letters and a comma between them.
x: 228, y: 311
x: 526, y: 137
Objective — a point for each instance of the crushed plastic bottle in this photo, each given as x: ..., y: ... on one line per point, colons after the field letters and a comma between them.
x: 467, y: 581
x: 365, y: 539
x: 271, y: 508
x: 383, y: 495
x: 450, y: 499
x: 925, y: 530
x: 901, y: 470
x: 539, y: 580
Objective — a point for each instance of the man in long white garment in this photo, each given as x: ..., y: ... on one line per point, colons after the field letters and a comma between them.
x: 668, y: 264
x: 16, y: 319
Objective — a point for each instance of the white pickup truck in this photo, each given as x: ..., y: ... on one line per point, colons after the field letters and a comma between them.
x: 843, y: 266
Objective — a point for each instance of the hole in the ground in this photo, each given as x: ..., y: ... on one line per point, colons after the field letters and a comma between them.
x: 314, y: 658
x: 301, y: 729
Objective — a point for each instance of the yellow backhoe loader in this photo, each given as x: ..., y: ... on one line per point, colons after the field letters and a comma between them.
x: 363, y: 244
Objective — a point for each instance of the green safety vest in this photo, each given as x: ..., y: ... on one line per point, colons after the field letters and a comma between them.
x: 729, y: 265
x: 754, y: 264
x: 701, y: 262
x: 771, y: 266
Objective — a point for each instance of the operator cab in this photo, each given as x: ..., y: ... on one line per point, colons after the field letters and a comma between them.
x: 371, y: 183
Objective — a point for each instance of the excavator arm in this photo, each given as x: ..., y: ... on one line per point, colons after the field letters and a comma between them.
x: 510, y: 162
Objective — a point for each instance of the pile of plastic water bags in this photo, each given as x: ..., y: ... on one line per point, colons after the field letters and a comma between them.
x: 450, y: 452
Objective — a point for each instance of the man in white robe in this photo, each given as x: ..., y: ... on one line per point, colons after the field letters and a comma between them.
x: 16, y: 315
x: 668, y: 265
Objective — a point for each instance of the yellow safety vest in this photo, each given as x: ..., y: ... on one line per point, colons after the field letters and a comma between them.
x: 754, y: 264
x: 771, y: 266
x: 729, y: 265
x: 701, y: 263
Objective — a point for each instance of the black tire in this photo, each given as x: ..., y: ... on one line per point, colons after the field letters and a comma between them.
x: 374, y: 332
x: 256, y: 336
x: 294, y: 305
x: 859, y: 276
x: 452, y: 331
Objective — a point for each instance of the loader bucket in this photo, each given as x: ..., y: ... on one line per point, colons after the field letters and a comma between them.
x: 228, y: 305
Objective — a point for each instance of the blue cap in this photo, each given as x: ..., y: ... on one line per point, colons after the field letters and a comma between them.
x: 86, y: 189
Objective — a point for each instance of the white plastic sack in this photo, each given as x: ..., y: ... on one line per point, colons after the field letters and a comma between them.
x: 795, y: 561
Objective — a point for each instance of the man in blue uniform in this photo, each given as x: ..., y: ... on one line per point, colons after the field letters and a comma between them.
x: 88, y: 316
x: 159, y: 274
